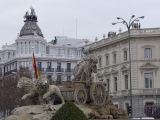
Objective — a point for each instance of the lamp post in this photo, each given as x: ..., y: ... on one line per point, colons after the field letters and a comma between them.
x: 128, y: 25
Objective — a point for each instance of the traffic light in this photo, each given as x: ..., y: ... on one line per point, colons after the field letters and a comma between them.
x: 129, y: 109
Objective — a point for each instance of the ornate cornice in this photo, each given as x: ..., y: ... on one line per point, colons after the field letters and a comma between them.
x: 147, y: 32
x: 148, y: 66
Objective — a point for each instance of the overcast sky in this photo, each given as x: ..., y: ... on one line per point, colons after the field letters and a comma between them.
x: 58, y: 17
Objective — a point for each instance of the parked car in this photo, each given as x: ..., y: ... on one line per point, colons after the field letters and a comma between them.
x: 147, y: 118
x: 143, y: 118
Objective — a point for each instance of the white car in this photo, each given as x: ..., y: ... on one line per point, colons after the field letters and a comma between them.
x: 136, y: 118
x: 147, y: 118
x: 143, y: 118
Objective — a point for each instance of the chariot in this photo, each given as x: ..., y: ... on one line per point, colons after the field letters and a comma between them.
x: 83, y: 92
x: 93, y: 92
x: 83, y: 88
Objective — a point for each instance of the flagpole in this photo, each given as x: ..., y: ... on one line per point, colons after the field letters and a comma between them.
x: 36, y: 74
x: 32, y: 64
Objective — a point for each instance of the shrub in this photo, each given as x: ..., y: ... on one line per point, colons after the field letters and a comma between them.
x: 69, y: 111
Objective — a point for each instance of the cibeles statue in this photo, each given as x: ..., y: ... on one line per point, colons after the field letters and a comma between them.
x: 38, y: 91
x: 86, y: 67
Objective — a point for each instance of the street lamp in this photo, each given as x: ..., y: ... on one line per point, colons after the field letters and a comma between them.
x: 128, y: 24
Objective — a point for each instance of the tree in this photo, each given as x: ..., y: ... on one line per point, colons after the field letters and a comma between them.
x: 10, y: 95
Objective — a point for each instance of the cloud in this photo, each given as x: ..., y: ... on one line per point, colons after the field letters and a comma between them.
x: 58, y: 17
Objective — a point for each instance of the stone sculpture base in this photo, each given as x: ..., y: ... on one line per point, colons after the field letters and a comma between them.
x: 33, y: 112
x: 37, y: 112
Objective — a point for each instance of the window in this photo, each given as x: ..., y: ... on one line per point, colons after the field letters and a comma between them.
x: 13, y: 54
x: 59, y: 51
x: 58, y: 67
x: 147, y: 53
x: 47, y: 50
x: 29, y: 47
x: 40, y: 65
x: 0, y: 71
x: 59, y: 79
x: 107, y: 60
x: 100, y: 61
x: 148, y: 79
x: 25, y: 48
x: 149, y: 103
x: 68, y: 78
x: 49, y: 78
x: 49, y: 65
x: 68, y: 52
x: 115, y: 84
x: 37, y: 48
x: 108, y: 85
x: 8, y: 55
x: 68, y: 67
x: 126, y: 81
x: 125, y: 55
x: 62, y: 51
x: 75, y: 52
x: 21, y: 48
x: 114, y: 58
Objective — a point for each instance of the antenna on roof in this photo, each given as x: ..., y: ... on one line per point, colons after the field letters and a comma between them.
x: 76, y: 27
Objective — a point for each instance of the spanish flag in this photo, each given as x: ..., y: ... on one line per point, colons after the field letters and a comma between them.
x: 36, y: 73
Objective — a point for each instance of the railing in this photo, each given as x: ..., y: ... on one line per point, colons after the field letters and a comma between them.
x: 56, y: 70
x: 49, y: 69
x: 10, y: 72
x: 59, y: 69
x: 68, y: 70
x: 134, y: 32
x: 74, y: 57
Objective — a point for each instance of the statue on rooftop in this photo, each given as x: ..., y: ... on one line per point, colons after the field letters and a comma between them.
x: 30, y: 17
x: 32, y: 11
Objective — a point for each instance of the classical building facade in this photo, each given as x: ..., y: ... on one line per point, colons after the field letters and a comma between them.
x: 56, y: 58
x: 113, y: 67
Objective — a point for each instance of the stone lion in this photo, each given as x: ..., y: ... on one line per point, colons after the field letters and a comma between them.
x: 84, y: 69
x: 39, y: 90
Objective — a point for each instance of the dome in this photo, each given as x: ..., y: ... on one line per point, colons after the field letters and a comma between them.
x: 30, y: 27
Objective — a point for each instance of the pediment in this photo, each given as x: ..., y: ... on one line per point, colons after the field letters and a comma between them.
x: 124, y: 68
x: 148, y: 66
x: 106, y: 72
x: 114, y: 71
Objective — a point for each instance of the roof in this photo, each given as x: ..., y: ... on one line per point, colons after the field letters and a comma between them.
x: 69, y: 42
x: 30, y: 27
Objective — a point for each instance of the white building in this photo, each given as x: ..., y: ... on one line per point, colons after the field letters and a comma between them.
x: 113, y: 67
x: 56, y: 58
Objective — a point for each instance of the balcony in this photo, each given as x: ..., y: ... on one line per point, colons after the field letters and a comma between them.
x: 7, y: 73
x: 49, y: 69
x: 59, y: 69
x: 69, y: 71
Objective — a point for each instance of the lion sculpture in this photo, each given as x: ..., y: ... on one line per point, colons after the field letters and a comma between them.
x: 39, y: 90
x: 84, y: 69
